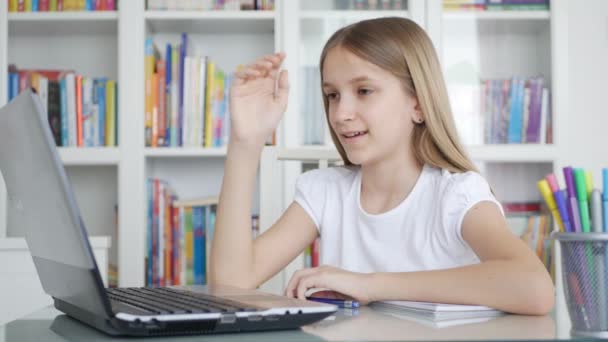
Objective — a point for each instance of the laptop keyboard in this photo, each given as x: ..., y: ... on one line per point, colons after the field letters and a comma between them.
x: 165, y: 301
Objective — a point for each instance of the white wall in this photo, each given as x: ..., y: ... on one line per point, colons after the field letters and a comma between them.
x: 586, y: 132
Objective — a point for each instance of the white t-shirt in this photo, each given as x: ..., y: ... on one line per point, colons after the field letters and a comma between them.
x: 422, y: 233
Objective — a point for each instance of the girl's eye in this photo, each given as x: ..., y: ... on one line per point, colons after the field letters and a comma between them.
x: 364, y: 91
x: 331, y: 96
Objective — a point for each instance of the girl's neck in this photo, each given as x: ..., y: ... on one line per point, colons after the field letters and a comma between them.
x: 386, y: 184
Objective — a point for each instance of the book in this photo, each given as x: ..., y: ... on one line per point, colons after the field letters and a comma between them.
x: 438, y: 311
x: 196, y: 202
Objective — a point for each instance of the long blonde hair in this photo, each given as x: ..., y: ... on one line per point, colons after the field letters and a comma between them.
x: 401, y: 47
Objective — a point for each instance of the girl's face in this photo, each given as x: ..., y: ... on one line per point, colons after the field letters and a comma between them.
x: 369, y: 109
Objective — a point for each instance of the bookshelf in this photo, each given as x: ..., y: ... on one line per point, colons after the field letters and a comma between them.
x: 112, y: 44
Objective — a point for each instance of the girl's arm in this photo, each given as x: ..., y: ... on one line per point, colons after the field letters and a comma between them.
x: 258, y: 99
x: 510, y: 276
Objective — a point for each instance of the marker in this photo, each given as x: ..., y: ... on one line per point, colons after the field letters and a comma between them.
x: 575, y: 218
x: 543, y: 187
x: 560, y: 201
x: 581, y: 195
x: 589, y: 182
x: 597, y: 220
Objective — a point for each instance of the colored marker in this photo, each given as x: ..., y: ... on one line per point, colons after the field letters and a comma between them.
x: 589, y: 182
x: 575, y: 218
x: 560, y: 201
x: 543, y: 187
x: 581, y: 195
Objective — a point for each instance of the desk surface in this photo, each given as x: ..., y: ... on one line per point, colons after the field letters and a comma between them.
x: 51, y: 325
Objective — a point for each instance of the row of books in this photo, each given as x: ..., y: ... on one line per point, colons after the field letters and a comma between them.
x: 496, y: 5
x: 178, y: 236
x: 186, y: 98
x: 211, y: 5
x: 370, y: 4
x: 516, y: 110
x: 532, y: 222
x: 82, y: 111
x: 61, y: 5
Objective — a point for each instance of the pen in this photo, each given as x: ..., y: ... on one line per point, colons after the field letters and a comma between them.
x: 341, y: 303
x: 589, y: 182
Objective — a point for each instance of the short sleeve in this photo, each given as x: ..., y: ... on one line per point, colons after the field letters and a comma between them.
x: 464, y: 191
x: 310, y: 195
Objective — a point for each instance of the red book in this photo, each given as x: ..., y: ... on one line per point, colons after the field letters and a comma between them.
x: 99, y: 4
x: 521, y: 207
x: 79, y: 110
x: 59, y: 5
x: 110, y: 5
x: 43, y: 6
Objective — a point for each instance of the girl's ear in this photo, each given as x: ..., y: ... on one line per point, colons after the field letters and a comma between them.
x: 417, y: 115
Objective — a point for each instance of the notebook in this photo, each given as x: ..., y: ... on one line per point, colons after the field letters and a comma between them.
x: 438, y: 311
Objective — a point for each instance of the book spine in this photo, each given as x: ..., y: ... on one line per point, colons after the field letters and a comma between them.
x: 149, y: 72
x: 102, y: 117
x: 175, y: 80
x: 54, y: 110
x: 110, y: 113
x: 209, y: 89
x: 197, y: 229
x: 189, y: 246
x: 149, y: 233
x: 162, y: 112
x: 79, y: 110
x: 182, y: 56
x: 167, y: 92
x: 176, y: 266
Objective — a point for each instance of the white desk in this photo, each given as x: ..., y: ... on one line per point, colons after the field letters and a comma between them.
x: 51, y: 325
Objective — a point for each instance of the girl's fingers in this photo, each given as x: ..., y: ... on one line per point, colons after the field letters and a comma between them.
x: 295, y: 280
x: 248, y: 73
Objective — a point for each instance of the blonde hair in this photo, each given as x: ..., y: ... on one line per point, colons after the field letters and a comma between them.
x: 401, y: 47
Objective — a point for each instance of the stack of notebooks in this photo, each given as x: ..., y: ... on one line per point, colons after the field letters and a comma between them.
x: 437, y: 315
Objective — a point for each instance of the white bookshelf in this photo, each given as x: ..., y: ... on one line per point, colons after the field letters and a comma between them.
x: 112, y: 44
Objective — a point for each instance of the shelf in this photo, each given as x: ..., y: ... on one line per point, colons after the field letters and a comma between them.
x: 515, y: 153
x: 507, y: 22
x: 90, y: 155
x: 63, y: 23
x: 18, y: 243
x: 351, y: 15
x: 498, y: 15
x: 218, y: 22
x: 187, y: 152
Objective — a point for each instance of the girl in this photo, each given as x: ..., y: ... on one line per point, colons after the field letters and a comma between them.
x: 407, y: 218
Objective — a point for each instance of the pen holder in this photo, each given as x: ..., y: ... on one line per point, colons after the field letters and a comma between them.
x: 584, y: 277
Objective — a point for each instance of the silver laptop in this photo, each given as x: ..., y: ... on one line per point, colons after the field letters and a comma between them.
x: 41, y: 200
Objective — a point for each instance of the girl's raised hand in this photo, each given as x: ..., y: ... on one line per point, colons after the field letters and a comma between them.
x: 258, y: 99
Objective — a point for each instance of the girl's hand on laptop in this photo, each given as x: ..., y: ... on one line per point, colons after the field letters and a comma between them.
x: 258, y: 99
x: 341, y: 283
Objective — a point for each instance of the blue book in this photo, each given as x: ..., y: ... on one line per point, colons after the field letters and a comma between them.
x: 13, y: 84
x: 35, y: 6
x: 101, y: 118
x: 180, y: 115
x: 515, y: 113
x: 198, y: 230
x: 64, y: 113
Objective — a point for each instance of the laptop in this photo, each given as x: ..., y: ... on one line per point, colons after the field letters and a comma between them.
x: 42, y: 203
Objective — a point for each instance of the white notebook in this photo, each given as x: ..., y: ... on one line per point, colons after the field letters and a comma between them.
x: 437, y: 311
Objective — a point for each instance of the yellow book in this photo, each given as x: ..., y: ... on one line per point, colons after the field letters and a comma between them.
x: 148, y: 73
x: 12, y: 5
x: 209, y: 89
x: 189, y: 246
x: 28, y: 6
x: 155, y: 114
x: 111, y: 113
